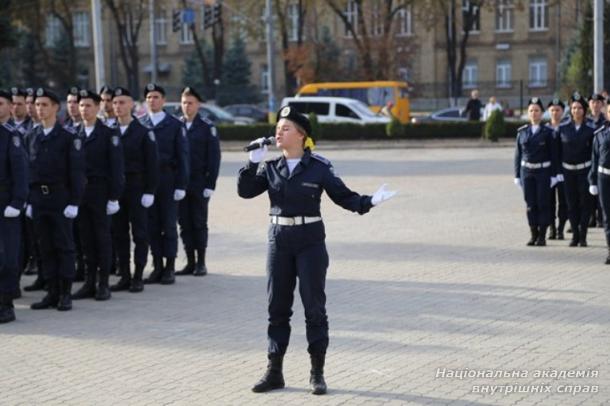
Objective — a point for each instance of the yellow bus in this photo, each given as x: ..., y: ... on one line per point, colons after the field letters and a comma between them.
x: 375, y: 94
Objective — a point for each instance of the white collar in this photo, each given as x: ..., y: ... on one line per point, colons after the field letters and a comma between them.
x: 156, y: 118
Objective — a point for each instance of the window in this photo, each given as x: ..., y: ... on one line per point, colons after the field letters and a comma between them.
x: 470, y: 76
x: 161, y: 28
x: 376, y: 19
x: 264, y: 79
x: 80, y: 24
x: 293, y: 14
x: 52, y: 31
x: 319, y: 108
x: 342, y: 110
x: 505, y: 10
x: 404, y: 20
x: 539, y: 15
x: 538, y: 72
x: 503, y: 74
x: 351, y: 14
x: 472, y: 11
x: 186, y: 34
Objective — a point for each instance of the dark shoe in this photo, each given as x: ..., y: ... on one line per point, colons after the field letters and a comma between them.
x: 316, y: 379
x: 136, y: 282
x: 574, y: 243
x: 7, y: 310
x: 534, y: 236
x: 87, y: 291
x: 560, y: 228
x: 102, y: 293
x: 157, y: 273
x: 65, y: 296
x: 541, y: 241
x: 582, y: 242
x: 552, y: 232
x: 190, y: 264
x: 168, y: 277
x: 30, y: 268
x: 200, y: 268
x: 122, y: 284
x: 50, y: 300
x: 273, y: 378
x: 38, y: 284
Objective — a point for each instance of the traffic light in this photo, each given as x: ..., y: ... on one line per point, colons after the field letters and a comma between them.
x: 211, y: 14
x: 216, y: 12
x: 176, y: 20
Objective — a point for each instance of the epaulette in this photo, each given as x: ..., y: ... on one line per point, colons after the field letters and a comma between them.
x: 567, y: 123
x: 591, y: 124
x: 600, y: 129
x: 207, y: 121
x: 9, y: 127
x: 523, y: 127
x: 71, y: 130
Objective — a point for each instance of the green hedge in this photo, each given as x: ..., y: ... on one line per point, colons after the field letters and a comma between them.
x: 348, y: 131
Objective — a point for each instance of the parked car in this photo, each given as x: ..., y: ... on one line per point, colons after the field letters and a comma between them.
x: 248, y: 111
x: 214, y: 113
x: 448, y: 114
x: 335, y: 109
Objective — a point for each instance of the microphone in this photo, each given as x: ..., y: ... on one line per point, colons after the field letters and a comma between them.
x: 257, y: 145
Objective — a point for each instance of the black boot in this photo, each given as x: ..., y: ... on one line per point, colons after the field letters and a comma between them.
x: 103, y: 291
x: 541, y: 241
x: 608, y: 257
x: 7, y: 310
x: 575, y: 237
x: 560, y: 228
x: 316, y: 379
x: 87, y: 291
x: 38, y: 284
x: 50, y: 299
x: 190, y: 263
x: 125, y: 282
x: 157, y: 273
x: 582, y: 241
x: 534, y: 236
x: 552, y: 231
x: 136, y: 282
x: 200, y: 268
x: 169, y: 272
x: 65, y: 295
x: 273, y: 378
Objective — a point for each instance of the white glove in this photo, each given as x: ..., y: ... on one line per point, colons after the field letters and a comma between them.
x: 207, y: 193
x: 593, y: 190
x: 554, y: 181
x: 112, y: 207
x: 382, y: 194
x: 560, y: 178
x: 179, y: 194
x: 11, y: 212
x: 258, y: 154
x: 71, y: 211
x: 28, y: 211
x: 518, y: 182
x: 147, y: 200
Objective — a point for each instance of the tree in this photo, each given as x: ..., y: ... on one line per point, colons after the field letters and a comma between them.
x: 295, y: 54
x: 192, y: 73
x: 235, y: 83
x: 326, y: 50
x: 128, y: 16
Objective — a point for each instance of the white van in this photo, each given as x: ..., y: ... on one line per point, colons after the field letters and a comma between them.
x: 335, y: 109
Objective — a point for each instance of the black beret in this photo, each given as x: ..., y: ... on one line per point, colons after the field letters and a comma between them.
x: 73, y: 91
x: 7, y: 95
x: 598, y: 97
x: 576, y: 97
x: 536, y: 100
x: 43, y: 92
x: 89, y: 94
x: 120, y: 91
x: 18, y: 91
x: 153, y: 87
x: 189, y: 91
x: 291, y: 114
x: 556, y: 102
x: 106, y: 90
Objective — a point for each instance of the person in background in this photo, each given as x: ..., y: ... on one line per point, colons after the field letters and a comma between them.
x: 490, y: 107
x: 473, y: 108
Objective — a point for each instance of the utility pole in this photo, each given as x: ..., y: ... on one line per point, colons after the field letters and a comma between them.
x: 153, y: 40
x: 270, y: 56
x: 598, y: 45
x: 98, y: 45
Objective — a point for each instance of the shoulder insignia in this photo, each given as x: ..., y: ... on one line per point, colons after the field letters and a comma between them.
x: 77, y: 144
x: 151, y: 136
x: 16, y: 141
x: 523, y: 127
x: 321, y: 159
x: 591, y: 124
x: 71, y: 130
x: 213, y: 131
x: 600, y: 129
x: 115, y: 140
x: 9, y: 127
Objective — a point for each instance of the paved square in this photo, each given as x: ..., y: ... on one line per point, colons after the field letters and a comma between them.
x: 432, y: 298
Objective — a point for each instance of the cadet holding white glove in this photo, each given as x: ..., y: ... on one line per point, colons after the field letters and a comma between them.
x: 112, y: 207
x: 147, y: 200
x: 71, y: 212
x: 207, y: 193
x: 179, y: 194
x: 382, y: 195
x: 258, y: 154
x: 11, y: 212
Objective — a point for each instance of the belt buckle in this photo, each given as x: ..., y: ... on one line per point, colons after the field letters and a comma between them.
x: 290, y: 221
x: 44, y: 189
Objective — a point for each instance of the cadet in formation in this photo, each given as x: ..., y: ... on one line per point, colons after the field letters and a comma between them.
x: 295, y: 182
x: 559, y: 206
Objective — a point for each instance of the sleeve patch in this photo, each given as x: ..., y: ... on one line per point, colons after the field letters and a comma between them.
x: 115, y: 140
x: 16, y: 141
x: 77, y: 144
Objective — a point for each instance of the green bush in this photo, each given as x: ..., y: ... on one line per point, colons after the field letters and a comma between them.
x: 393, y: 129
x: 350, y: 131
x: 495, y: 127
